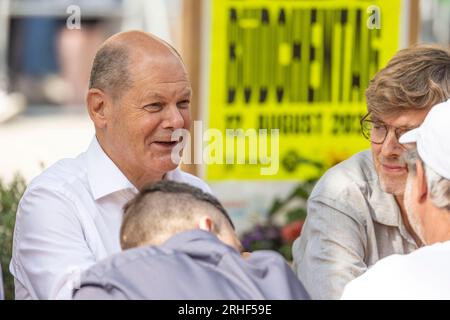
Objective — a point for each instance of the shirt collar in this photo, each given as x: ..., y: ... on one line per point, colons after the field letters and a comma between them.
x: 387, y: 212
x: 385, y: 209
x: 104, y: 176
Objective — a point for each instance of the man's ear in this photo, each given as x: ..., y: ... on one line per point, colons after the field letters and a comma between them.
x: 97, y: 103
x: 206, y: 223
x: 421, y: 183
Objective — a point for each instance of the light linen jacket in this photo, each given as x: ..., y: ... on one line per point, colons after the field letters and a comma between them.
x: 351, y: 224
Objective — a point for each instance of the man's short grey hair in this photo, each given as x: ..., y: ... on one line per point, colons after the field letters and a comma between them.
x: 110, y: 70
x: 438, y: 187
x: 165, y: 208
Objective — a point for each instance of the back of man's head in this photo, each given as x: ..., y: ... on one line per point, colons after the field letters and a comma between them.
x: 166, y: 208
x: 432, y: 149
x: 427, y: 194
x: 438, y: 187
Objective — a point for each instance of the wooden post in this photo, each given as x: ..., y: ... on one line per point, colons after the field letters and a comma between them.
x: 191, y: 53
x: 4, y: 36
x: 414, y: 22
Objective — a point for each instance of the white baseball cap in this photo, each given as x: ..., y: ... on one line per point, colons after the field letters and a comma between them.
x: 433, y: 139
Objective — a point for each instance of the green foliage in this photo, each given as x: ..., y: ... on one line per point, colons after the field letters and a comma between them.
x: 10, y: 195
x: 273, y: 236
x: 300, y: 192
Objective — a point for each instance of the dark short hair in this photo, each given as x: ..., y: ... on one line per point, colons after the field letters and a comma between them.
x: 176, y: 201
x: 110, y: 70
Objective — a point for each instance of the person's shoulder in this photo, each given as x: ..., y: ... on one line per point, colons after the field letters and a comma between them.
x: 419, y: 260
x: 358, y: 168
x: 120, y: 261
x: 421, y: 274
x: 182, y: 176
x: 429, y: 256
x: 348, y: 187
x: 386, y: 274
x: 271, y: 266
x: 61, y: 177
x: 130, y: 264
x: 389, y: 270
x: 261, y: 257
x: 359, y: 163
x: 356, y: 173
x: 263, y: 261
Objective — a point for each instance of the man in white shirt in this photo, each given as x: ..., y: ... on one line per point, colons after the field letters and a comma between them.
x: 69, y: 217
x: 424, y: 273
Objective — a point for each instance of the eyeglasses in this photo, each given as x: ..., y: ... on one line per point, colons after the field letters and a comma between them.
x: 376, y: 131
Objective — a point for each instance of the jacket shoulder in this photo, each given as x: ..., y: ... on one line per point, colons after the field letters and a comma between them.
x: 356, y: 174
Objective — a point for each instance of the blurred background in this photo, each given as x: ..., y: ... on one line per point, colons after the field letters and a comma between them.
x: 299, y: 66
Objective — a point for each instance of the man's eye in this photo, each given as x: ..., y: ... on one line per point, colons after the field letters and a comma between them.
x: 378, y: 126
x: 153, y: 106
x: 183, y: 104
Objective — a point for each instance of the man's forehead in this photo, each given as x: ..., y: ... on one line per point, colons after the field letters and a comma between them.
x: 160, y: 76
x: 161, y: 94
x: 167, y: 70
x: 409, y: 118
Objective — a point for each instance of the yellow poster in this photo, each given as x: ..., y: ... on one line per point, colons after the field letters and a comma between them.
x: 301, y: 67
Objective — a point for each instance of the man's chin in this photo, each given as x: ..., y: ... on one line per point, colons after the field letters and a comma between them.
x: 166, y: 164
x: 396, y: 188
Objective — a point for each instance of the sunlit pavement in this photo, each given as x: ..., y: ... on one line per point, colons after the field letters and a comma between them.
x: 40, y: 137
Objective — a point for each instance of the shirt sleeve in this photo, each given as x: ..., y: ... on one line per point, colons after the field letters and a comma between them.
x: 329, y: 252
x: 49, y: 249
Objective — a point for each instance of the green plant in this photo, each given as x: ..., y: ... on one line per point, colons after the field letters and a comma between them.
x: 279, y: 235
x: 10, y: 195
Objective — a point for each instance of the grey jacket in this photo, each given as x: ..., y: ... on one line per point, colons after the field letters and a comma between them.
x: 351, y: 224
x: 191, y: 265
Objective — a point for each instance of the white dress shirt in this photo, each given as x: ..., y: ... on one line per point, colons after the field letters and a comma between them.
x: 68, y: 219
x: 422, y: 274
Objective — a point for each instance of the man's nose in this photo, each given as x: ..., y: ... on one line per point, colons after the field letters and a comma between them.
x: 173, y: 118
x: 391, y: 146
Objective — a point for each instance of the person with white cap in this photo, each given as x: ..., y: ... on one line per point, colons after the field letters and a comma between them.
x: 424, y: 273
